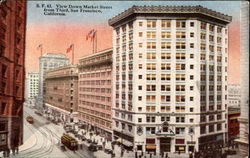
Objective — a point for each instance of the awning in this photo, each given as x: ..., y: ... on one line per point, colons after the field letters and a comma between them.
x: 234, y: 118
x: 151, y: 147
x: 119, y: 140
x: 181, y: 148
x: 57, y: 109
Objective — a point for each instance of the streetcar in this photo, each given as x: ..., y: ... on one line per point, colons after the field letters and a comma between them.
x: 30, y: 119
x: 69, y: 142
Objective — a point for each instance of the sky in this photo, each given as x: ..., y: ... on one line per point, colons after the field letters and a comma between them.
x: 57, y: 33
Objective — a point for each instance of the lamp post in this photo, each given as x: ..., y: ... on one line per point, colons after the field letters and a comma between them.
x: 122, y: 143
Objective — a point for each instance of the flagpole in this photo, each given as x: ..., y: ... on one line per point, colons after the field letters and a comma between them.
x: 96, y: 42
x: 93, y: 45
x: 41, y: 51
x: 73, y: 51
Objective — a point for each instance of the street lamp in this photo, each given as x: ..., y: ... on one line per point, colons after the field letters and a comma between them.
x: 122, y: 143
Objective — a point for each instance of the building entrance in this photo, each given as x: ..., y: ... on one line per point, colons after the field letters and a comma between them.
x: 165, y: 144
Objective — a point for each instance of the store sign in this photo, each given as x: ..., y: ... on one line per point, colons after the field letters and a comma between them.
x: 191, y: 142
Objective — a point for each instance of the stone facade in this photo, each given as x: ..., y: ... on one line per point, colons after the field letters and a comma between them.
x: 170, y: 78
x: 244, y: 80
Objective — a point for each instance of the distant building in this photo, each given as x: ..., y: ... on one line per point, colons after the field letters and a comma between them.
x: 12, y: 73
x: 170, y: 78
x: 233, y: 123
x: 31, y: 88
x: 234, y: 95
x: 94, y: 94
x: 47, y: 62
x: 61, y: 93
x: 244, y: 79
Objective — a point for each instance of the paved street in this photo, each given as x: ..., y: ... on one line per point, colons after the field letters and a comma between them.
x: 42, y: 138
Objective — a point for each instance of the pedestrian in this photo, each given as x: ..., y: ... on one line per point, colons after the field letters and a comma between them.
x: 161, y: 154
x: 166, y: 156
x: 190, y: 155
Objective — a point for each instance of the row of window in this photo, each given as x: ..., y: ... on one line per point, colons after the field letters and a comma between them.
x: 94, y: 97
x: 94, y: 112
x: 212, y: 98
x: 179, y: 35
x: 165, y: 108
x: 94, y: 105
x: 95, y: 82
x: 211, y: 128
x: 100, y: 74
x: 211, y: 117
x: 100, y: 122
x: 151, y: 24
x: 97, y: 90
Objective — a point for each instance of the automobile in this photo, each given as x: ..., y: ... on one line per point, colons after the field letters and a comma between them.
x: 99, y: 147
x: 63, y: 148
x: 230, y: 152
x: 83, y: 138
x: 108, y: 151
x: 81, y: 126
x: 89, y: 141
x: 30, y: 119
x: 92, y: 147
x: 38, y: 113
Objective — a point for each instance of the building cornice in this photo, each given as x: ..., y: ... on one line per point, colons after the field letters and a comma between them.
x: 103, y: 52
x: 180, y: 10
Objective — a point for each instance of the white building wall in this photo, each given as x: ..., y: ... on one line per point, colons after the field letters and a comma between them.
x: 244, y: 79
x: 195, y: 115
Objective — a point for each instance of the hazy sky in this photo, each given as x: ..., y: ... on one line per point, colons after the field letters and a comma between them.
x: 57, y: 33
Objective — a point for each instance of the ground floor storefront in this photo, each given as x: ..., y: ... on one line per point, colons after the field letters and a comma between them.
x: 107, y: 134
x: 156, y: 144
x: 59, y: 115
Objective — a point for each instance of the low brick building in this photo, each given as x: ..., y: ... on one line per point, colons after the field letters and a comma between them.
x: 233, y: 124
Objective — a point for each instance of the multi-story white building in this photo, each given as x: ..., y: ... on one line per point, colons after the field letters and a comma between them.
x: 244, y: 80
x: 170, y: 77
x: 32, y: 85
x: 233, y: 95
x: 47, y: 62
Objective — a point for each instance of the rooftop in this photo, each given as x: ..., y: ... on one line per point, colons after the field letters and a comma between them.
x: 181, y: 10
x: 95, y: 54
x: 52, y: 55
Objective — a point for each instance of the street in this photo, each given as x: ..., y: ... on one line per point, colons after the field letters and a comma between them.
x: 42, y: 139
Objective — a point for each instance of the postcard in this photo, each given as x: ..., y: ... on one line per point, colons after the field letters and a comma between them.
x: 124, y: 79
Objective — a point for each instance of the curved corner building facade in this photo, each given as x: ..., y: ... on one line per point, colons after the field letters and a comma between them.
x: 170, y: 78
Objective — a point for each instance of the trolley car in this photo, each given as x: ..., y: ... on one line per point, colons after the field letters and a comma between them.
x: 30, y: 119
x: 69, y: 142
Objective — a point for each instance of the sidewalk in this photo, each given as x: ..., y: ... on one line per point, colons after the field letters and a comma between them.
x: 29, y: 143
x: 117, y: 149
